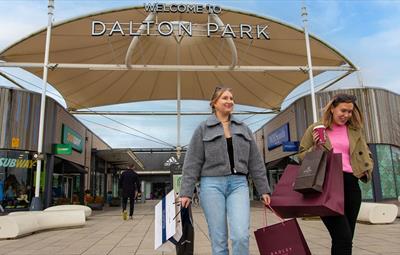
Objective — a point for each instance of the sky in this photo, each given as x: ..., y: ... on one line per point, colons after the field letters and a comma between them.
x: 367, y: 32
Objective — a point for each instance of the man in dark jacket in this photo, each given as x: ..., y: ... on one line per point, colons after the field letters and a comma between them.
x: 130, y: 185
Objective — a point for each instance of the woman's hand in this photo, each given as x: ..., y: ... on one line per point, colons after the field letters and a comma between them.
x: 266, y: 199
x: 185, y: 201
x: 315, y: 137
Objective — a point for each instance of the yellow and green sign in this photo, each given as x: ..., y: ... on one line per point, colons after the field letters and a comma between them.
x: 17, y: 163
x: 69, y: 136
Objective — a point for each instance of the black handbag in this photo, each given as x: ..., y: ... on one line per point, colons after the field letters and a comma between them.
x: 185, y: 245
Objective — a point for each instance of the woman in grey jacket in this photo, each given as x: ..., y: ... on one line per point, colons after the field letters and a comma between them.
x: 222, y: 152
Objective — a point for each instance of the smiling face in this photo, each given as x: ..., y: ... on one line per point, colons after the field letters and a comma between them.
x: 342, y: 113
x: 224, y: 103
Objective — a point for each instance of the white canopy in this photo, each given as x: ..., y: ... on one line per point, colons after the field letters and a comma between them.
x: 265, y: 73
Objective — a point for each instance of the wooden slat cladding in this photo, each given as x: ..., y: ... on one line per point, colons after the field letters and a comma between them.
x: 381, y: 111
x: 4, y: 111
x: 19, y: 119
x: 20, y: 112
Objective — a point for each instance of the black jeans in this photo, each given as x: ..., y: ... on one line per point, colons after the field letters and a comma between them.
x: 341, y: 228
x: 131, y: 203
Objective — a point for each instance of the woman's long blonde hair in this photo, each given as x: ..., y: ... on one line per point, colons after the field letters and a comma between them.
x: 216, y: 95
x: 356, y: 120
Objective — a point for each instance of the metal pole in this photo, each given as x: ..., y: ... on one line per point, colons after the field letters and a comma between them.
x: 360, y: 79
x: 178, y: 102
x: 36, y: 203
x: 163, y: 113
x: 175, y: 68
x: 310, y: 68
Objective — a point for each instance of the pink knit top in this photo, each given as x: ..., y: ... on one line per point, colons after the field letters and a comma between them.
x: 340, y: 143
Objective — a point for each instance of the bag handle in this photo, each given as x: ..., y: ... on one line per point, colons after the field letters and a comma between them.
x: 274, y: 212
x: 178, y: 203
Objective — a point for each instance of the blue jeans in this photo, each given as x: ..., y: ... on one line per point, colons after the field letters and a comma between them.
x: 225, y: 200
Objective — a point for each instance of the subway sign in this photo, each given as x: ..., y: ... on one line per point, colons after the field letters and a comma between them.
x: 17, y: 163
x: 167, y: 28
x: 69, y: 136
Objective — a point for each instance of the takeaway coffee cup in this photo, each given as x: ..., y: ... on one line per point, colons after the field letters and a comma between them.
x: 321, y: 134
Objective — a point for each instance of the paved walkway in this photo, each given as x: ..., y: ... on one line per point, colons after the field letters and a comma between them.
x: 106, y: 233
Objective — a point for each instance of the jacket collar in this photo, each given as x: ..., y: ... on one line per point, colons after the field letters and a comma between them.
x: 213, y: 120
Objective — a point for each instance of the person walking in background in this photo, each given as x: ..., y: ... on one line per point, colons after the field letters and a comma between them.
x: 222, y: 152
x: 130, y: 185
x: 343, y: 122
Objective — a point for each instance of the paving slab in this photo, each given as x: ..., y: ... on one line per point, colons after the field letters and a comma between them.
x: 106, y: 233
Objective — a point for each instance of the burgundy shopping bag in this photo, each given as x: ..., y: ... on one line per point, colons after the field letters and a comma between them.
x: 283, y: 238
x: 291, y: 204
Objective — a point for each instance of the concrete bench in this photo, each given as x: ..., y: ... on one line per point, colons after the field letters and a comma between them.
x: 377, y: 213
x: 86, y: 209
x: 22, y: 223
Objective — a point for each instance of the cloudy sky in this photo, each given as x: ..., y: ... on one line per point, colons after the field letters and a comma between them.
x: 367, y: 32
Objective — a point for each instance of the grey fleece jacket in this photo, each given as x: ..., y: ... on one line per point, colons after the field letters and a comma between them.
x: 207, y: 155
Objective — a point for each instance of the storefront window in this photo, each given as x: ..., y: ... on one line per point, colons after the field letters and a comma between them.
x: 99, y: 184
x: 115, y: 185
x: 66, y: 189
x: 58, y: 190
x: 386, y: 173
x: 366, y: 191
x: 76, y: 189
x: 16, y: 177
x: 396, y: 167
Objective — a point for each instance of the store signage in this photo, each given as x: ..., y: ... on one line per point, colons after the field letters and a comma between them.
x: 15, y: 142
x: 62, y: 149
x: 183, y: 8
x: 166, y: 28
x: 69, y: 136
x: 171, y: 161
x: 176, y: 182
x: 16, y: 163
x: 290, y: 146
x: 278, y: 136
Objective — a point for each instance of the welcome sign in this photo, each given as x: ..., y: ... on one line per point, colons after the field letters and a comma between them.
x: 167, y: 28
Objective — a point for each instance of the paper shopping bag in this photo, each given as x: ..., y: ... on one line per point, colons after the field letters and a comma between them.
x: 168, y: 224
x: 311, y: 175
x: 283, y: 238
x: 292, y: 204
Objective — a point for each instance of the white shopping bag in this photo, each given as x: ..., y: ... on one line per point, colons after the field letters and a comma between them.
x: 167, y: 224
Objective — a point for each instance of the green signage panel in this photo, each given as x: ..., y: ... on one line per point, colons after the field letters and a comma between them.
x: 69, y: 136
x: 64, y: 149
x: 176, y: 182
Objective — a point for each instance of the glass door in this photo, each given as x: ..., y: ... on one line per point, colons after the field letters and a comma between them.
x: 68, y: 187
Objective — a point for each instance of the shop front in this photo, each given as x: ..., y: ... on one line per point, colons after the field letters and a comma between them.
x: 98, y: 177
x: 67, y: 182
x: 67, y: 153
x: 16, y: 179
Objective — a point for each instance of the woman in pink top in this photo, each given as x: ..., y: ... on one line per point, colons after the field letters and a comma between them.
x: 343, y: 121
